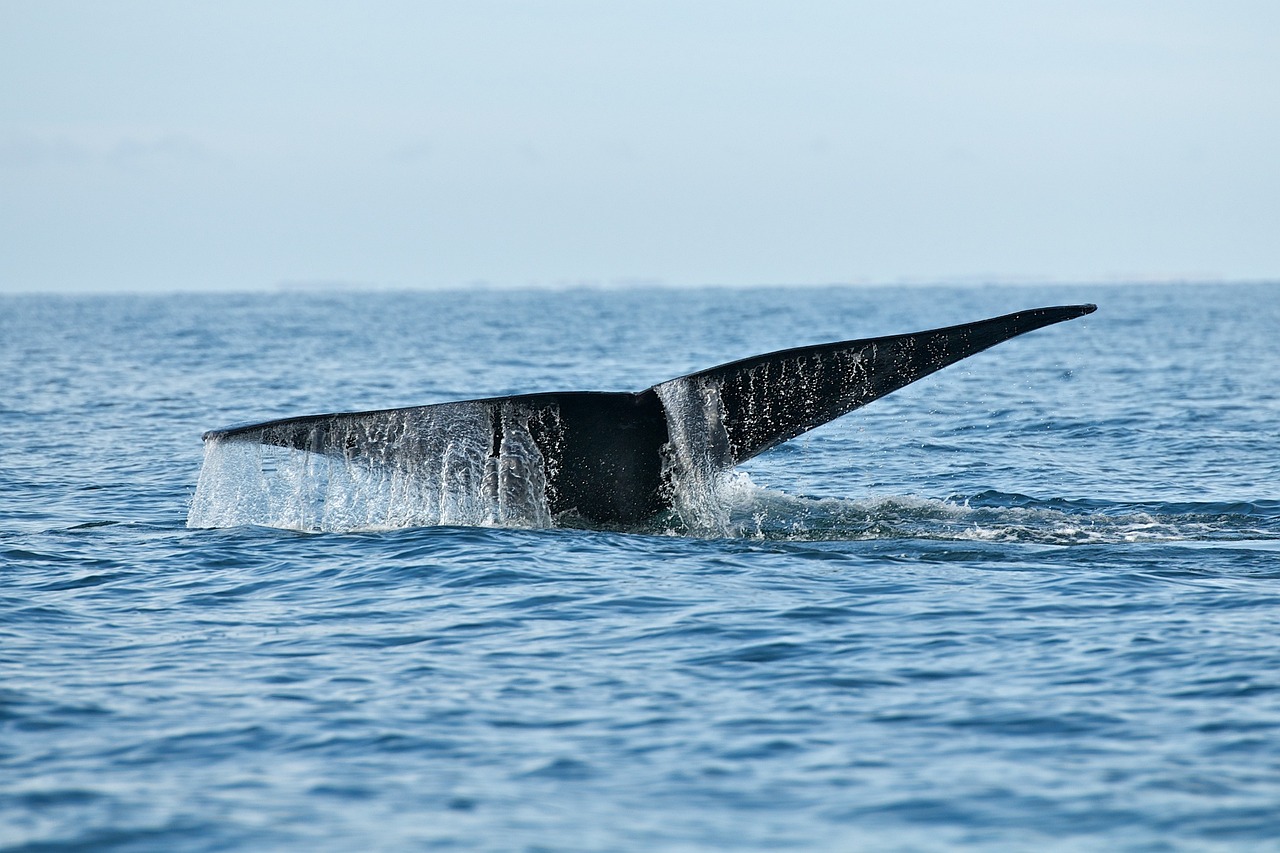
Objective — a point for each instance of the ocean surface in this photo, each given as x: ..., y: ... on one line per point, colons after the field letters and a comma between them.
x: 1031, y: 602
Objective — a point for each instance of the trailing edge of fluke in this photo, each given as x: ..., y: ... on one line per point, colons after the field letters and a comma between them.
x: 609, y: 457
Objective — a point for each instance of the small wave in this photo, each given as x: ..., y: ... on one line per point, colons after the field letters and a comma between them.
x: 994, y: 517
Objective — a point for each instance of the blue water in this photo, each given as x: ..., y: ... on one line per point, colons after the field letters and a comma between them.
x: 1030, y: 602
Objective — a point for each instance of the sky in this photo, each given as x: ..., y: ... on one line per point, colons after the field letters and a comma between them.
x: 174, y: 145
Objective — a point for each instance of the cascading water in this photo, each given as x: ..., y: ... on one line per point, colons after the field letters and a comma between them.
x: 464, y: 464
x: 696, y: 462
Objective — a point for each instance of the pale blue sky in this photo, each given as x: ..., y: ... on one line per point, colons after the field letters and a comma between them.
x: 238, y: 145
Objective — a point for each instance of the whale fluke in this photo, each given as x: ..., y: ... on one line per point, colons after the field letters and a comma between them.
x: 612, y: 457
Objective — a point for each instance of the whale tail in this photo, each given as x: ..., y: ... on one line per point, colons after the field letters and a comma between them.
x: 611, y: 457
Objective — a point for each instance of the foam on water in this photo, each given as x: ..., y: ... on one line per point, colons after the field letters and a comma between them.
x: 767, y: 514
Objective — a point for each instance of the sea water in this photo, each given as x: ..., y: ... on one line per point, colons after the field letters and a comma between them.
x: 1030, y: 602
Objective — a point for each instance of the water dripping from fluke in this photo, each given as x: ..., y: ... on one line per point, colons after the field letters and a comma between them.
x: 660, y: 457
